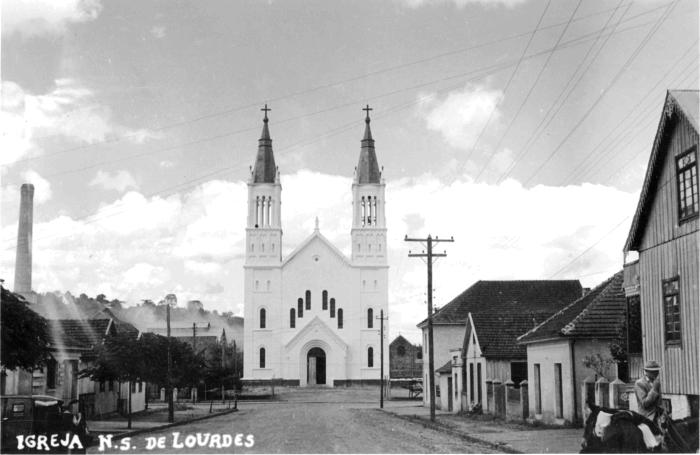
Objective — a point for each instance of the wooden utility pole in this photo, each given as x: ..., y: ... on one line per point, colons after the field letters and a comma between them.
x: 170, y: 299
x: 381, y: 357
x: 429, y: 260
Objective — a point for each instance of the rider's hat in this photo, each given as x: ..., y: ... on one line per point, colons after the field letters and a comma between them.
x: 652, y: 365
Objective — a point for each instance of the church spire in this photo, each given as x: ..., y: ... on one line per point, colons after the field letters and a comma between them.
x: 367, y: 168
x: 265, y: 170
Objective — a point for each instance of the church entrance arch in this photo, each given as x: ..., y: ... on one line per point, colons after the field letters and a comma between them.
x: 316, y: 366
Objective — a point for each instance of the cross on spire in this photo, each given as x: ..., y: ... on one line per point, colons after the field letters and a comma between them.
x: 367, y: 109
x: 266, y: 110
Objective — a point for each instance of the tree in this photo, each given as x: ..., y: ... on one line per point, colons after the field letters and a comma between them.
x: 25, y: 342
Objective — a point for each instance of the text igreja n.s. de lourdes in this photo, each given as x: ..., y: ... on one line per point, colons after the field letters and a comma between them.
x: 178, y: 441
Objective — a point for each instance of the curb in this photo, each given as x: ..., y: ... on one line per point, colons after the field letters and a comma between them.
x: 439, y: 427
x: 129, y: 434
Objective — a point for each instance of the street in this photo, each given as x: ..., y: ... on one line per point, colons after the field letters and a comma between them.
x: 303, y: 421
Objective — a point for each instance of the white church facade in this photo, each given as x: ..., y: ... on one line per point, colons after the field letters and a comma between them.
x: 311, y: 318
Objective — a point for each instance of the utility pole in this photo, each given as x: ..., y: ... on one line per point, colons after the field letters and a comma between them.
x: 170, y: 299
x: 381, y: 357
x: 193, y: 392
x: 429, y: 260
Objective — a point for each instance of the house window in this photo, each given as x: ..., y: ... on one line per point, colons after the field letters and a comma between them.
x: 672, y: 311
x: 370, y: 357
x: 262, y: 357
x: 133, y: 387
x: 51, y: 374
x: 308, y: 300
x: 340, y: 318
x: 687, y: 177
x: 262, y: 318
x: 140, y: 387
x: 292, y: 318
x: 102, y: 386
x: 324, y: 300
x: 634, y: 325
x: 332, y: 307
x: 538, y: 389
x: 111, y: 386
x: 558, y: 392
x: 300, y: 307
x: 370, y: 318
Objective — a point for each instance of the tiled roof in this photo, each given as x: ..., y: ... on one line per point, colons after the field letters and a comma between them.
x: 678, y: 104
x: 599, y: 314
x: 400, y: 340
x: 446, y: 368
x: 508, y: 297
x: 84, y: 333
x: 498, y: 332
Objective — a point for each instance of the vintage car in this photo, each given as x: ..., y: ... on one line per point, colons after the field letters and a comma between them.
x: 31, y: 415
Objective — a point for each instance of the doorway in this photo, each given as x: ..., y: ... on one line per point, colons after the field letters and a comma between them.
x: 316, y: 367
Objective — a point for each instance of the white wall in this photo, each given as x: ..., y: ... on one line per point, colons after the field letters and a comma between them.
x: 445, y: 338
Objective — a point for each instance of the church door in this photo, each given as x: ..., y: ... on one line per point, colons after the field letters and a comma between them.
x: 316, y: 367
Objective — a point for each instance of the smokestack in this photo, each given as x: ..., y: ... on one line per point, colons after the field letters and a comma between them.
x: 23, y: 263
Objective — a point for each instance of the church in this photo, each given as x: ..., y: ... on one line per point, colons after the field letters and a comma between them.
x: 312, y: 317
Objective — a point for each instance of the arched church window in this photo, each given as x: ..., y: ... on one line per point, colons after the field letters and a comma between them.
x: 332, y: 307
x: 370, y: 357
x: 359, y: 247
x: 262, y: 318
x: 340, y: 318
x: 267, y: 286
x: 363, y: 208
x: 369, y: 248
x: 375, y: 284
x: 292, y: 318
x: 300, y: 307
x: 324, y: 300
x: 262, y: 357
x: 257, y: 284
x: 273, y: 247
x: 308, y: 299
x: 252, y: 248
x: 262, y: 247
x: 370, y: 318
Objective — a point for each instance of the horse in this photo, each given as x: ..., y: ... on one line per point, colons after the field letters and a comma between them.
x: 623, y: 434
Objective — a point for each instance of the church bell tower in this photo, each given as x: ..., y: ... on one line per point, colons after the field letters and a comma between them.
x: 264, y: 226
x: 368, y: 221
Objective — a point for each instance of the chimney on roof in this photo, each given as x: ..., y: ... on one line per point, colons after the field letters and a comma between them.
x: 23, y: 262
x: 585, y: 291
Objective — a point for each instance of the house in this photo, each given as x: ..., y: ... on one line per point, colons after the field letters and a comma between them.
x: 484, y: 322
x: 405, y: 359
x: 557, y: 348
x: 664, y: 235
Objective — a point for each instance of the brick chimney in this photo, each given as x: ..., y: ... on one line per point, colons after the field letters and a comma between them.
x: 23, y: 263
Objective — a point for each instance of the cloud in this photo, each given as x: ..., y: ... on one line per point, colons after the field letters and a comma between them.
x: 166, y: 164
x: 461, y: 3
x: 158, y: 31
x: 139, y: 247
x: 42, y: 187
x: 119, y: 181
x: 461, y: 115
x: 68, y: 110
x: 39, y: 17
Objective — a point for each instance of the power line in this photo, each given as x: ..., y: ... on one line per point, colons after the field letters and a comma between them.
x: 297, y: 93
x: 539, y: 129
x: 622, y: 70
x: 512, y: 76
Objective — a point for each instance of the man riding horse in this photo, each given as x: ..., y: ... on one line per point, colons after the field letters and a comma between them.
x: 648, y: 391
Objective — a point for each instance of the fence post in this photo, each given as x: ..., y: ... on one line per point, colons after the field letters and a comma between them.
x: 489, y: 396
x: 602, y: 392
x: 587, y: 394
x: 162, y: 394
x: 617, y: 389
x: 524, y: 399
x: 499, y: 398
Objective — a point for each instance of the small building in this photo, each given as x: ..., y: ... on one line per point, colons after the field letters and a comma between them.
x: 405, y: 359
x: 557, y: 348
x: 500, y: 312
x: 664, y: 234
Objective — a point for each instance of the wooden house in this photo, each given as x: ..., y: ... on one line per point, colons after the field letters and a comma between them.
x: 664, y: 233
x: 483, y: 323
x: 558, y: 347
x: 405, y: 359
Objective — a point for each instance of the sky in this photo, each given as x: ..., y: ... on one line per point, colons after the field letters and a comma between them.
x: 522, y: 128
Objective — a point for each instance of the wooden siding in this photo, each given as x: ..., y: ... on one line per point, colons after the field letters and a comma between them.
x: 498, y: 369
x: 662, y: 221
